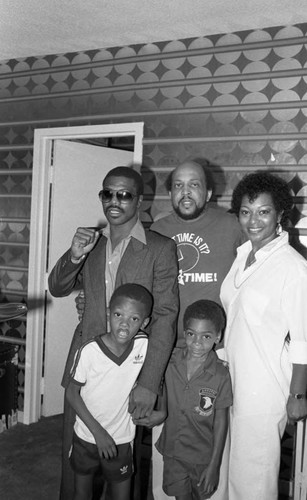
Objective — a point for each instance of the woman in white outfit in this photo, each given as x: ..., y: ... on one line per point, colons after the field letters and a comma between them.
x: 265, y: 299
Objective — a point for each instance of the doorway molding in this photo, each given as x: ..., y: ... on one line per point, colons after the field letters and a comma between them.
x: 37, y: 277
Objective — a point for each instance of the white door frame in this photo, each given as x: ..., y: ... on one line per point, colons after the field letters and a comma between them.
x: 37, y: 281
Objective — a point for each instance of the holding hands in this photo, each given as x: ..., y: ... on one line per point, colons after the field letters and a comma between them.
x: 150, y: 416
x: 141, y: 402
x: 150, y: 421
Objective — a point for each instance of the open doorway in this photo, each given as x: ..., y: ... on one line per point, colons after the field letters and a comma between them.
x: 69, y: 165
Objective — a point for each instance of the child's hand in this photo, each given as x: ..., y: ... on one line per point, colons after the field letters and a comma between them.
x: 209, y: 480
x: 105, y: 444
x: 156, y: 418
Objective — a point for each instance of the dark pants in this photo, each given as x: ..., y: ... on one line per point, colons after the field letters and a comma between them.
x: 67, y: 478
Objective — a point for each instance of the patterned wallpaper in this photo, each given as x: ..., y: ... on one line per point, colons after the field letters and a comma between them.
x: 238, y: 99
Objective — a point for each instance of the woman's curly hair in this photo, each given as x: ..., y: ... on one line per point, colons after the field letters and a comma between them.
x: 252, y: 185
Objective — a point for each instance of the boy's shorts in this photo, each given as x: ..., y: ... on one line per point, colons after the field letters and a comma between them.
x: 181, y: 478
x: 84, y: 459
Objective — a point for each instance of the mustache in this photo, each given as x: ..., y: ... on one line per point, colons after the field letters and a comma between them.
x: 114, y: 206
x: 186, y: 197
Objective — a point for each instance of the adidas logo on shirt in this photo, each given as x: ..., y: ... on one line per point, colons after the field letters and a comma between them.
x: 138, y: 359
x: 124, y: 470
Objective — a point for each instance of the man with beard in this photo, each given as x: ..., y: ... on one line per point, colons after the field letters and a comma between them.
x: 206, y: 236
x: 100, y: 261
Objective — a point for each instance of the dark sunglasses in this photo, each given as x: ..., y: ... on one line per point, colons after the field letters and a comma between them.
x: 123, y: 196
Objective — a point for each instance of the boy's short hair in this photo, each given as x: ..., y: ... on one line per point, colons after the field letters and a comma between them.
x: 134, y: 292
x: 206, y: 309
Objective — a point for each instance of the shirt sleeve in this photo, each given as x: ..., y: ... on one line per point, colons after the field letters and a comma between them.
x: 164, y: 315
x: 294, y: 305
x: 81, y: 362
x: 224, y: 397
x: 65, y: 276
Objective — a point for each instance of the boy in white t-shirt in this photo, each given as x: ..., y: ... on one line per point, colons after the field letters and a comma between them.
x: 104, y: 372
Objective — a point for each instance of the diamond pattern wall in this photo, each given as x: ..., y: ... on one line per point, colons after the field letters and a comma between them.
x: 238, y: 99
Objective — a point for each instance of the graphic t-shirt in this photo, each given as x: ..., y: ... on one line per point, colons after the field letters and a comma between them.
x: 206, y: 249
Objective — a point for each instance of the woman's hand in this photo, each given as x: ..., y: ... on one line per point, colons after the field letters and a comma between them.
x: 296, y: 409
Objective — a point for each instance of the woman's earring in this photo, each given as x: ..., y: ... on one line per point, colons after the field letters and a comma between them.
x: 278, y: 229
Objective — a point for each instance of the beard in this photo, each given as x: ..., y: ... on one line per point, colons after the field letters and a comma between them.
x: 191, y: 216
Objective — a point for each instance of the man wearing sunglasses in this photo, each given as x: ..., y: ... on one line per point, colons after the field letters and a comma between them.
x: 98, y: 262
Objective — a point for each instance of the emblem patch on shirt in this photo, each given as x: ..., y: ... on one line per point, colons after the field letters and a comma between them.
x: 138, y: 359
x: 206, y: 402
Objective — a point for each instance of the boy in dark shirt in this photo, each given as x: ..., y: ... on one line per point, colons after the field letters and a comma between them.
x: 195, y: 407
